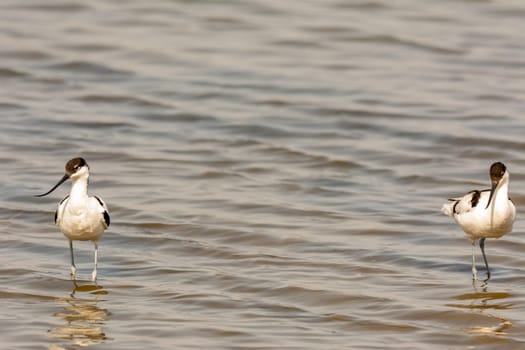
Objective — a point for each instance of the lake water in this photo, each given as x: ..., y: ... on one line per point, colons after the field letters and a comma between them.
x: 274, y: 172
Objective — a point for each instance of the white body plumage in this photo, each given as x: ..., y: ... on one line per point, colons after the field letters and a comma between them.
x: 478, y: 222
x: 79, y: 216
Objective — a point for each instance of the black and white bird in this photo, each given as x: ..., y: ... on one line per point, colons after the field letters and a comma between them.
x: 80, y: 217
x: 484, y: 214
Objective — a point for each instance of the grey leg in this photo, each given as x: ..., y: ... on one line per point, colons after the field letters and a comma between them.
x: 94, y: 274
x: 474, y: 271
x: 73, y: 267
x: 482, y: 246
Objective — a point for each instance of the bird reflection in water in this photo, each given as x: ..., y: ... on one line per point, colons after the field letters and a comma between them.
x: 481, y: 300
x: 84, y: 318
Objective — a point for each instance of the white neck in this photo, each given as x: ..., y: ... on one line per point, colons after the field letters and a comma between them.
x: 79, y: 187
x: 500, y: 201
x: 501, y: 196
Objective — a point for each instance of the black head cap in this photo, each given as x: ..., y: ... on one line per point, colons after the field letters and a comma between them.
x: 74, y: 164
x: 497, y: 170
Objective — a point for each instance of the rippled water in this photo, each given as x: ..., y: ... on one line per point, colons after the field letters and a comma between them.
x: 274, y: 172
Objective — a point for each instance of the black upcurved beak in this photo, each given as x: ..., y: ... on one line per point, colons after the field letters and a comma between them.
x: 54, y: 188
x: 492, y: 190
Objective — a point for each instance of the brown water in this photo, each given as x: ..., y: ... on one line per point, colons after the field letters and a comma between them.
x: 274, y: 172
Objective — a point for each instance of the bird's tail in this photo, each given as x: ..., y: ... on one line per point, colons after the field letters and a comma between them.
x: 448, y: 209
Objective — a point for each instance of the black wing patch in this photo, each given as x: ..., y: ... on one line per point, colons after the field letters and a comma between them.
x: 99, y: 200
x: 59, y: 204
x: 475, y: 198
x: 106, y: 217
x: 454, y: 207
x: 63, y: 200
x: 106, y: 214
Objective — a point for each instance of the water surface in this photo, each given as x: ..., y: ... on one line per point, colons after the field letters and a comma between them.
x: 274, y: 172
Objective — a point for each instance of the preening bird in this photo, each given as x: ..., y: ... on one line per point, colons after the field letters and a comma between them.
x: 484, y: 214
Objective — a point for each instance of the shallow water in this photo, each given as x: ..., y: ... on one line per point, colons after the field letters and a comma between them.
x: 274, y: 172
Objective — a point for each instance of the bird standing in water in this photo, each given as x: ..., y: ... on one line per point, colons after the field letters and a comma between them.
x: 484, y: 214
x: 80, y: 217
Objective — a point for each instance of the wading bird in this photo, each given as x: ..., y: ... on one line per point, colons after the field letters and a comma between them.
x: 484, y: 214
x: 80, y: 217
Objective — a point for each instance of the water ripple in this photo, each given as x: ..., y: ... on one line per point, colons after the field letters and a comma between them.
x: 274, y: 173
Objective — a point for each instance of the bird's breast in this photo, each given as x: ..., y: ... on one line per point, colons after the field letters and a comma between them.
x: 80, y: 222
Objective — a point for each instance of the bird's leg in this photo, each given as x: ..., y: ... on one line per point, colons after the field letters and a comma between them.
x: 94, y: 274
x: 73, y: 267
x: 482, y: 246
x: 474, y: 271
